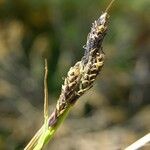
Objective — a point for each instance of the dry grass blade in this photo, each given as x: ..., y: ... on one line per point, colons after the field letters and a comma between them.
x: 45, y: 92
x: 140, y: 143
x: 36, y: 137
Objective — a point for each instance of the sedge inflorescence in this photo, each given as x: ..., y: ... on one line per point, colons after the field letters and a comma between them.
x: 81, y: 76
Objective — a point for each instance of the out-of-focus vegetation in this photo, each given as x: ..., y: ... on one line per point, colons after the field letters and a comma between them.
x: 111, y: 115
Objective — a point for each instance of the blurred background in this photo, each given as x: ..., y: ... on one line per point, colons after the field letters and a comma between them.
x: 114, y: 113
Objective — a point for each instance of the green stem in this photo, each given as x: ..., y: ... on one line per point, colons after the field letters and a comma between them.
x: 49, y: 132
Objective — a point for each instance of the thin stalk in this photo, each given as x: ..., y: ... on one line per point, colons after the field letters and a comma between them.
x: 49, y: 133
x: 145, y: 140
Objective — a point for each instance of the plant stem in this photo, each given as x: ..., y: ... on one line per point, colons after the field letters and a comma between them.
x: 49, y: 132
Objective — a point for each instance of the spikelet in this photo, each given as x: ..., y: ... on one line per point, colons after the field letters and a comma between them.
x: 81, y: 76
